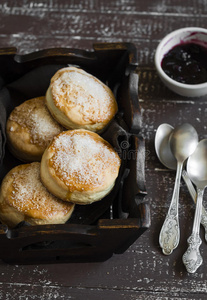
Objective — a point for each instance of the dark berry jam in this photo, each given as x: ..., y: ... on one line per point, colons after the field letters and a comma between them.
x: 186, y: 63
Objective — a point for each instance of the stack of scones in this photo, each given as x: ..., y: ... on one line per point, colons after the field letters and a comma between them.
x: 65, y: 160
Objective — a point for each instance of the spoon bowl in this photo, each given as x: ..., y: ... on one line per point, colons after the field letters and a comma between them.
x: 162, y: 146
x: 183, y: 141
x: 197, y: 165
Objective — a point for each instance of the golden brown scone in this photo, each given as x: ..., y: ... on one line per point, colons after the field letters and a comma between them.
x: 24, y: 198
x: 30, y: 128
x: 79, y: 166
x: 77, y: 99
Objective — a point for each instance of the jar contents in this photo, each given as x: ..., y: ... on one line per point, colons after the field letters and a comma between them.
x: 186, y: 63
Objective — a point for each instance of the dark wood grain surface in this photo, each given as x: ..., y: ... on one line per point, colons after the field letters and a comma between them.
x: 142, y: 272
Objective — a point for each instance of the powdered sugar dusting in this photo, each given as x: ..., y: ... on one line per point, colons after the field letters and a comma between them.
x: 34, y: 115
x: 83, y: 159
x: 29, y: 194
x: 85, y: 91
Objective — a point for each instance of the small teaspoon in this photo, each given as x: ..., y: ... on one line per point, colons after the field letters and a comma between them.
x: 164, y: 153
x: 183, y: 142
x: 197, y: 171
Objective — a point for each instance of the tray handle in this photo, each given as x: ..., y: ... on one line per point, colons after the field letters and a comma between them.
x: 134, y: 187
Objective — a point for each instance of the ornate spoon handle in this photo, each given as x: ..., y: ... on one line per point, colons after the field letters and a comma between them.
x: 194, y: 196
x: 170, y: 232
x: 192, y: 258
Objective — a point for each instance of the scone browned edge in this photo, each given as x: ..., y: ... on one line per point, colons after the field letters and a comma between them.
x: 24, y: 198
x: 80, y: 166
x: 76, y: 99
x: 30, y: 128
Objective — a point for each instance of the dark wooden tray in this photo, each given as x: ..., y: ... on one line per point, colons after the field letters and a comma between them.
x: 97, y: 231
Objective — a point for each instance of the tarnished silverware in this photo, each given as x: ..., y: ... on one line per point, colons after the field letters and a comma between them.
x: 183, y: 141
x: 164, y: 153
x: 197, y: 171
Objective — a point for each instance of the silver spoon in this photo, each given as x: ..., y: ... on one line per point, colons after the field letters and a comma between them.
x: 197, y: 170
x: 164, y: 153
x: 183, y: 141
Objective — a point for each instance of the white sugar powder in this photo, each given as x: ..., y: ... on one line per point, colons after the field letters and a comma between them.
x: 43, y: 127
x: 30, y: 194
x: 82, y: 157
x: 34, y: 115
x: 85, y: 91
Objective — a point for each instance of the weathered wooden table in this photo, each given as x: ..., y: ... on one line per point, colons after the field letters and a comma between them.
x: 142, y: 272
